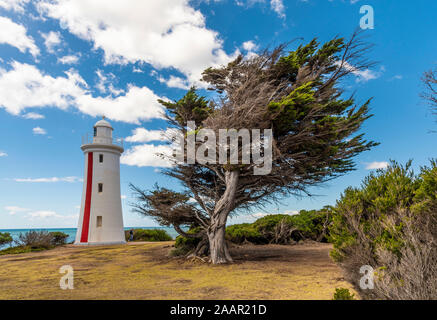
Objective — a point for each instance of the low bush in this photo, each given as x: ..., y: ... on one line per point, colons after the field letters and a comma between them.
x: 194, y: 245
x: 245, y: 232
x: 58, y: 238
x: 184, y: 245
x: 5, y: 238
x: 35, y: 239
x: 343, y: 294
x: 390, y: 224
x: 148, y: 235
x: 283, y: 229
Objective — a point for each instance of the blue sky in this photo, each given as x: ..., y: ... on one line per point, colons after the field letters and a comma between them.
x: 65, y: 63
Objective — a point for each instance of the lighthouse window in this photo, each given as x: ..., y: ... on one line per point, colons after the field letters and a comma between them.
x: 100, y: 158
x: 95, y: 131
x: 100, y: 187
x: 99, y: 221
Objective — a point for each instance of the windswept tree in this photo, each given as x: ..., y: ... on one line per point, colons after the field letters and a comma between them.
x: 298, y: 96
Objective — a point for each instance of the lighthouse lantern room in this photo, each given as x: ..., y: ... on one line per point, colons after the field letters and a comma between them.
x: 101, y: 218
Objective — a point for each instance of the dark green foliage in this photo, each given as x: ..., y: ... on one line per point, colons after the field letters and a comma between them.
x: 190, y: 107
x: 58, y: 238
x: 182, y: 241
x: 282, y: 228
x: 343, y: 294
x: 245, y: 232
x: 184, y: 245
x: 5, y: 238
x: 375, y: 201
x: 311, y: 224
x: 148, y: 235
x: 390, y: 223
x: 268, y: 223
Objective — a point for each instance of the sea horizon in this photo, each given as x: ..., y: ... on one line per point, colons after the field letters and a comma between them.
x: 71, y: 231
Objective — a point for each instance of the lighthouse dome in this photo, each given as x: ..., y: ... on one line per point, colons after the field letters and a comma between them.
x: 103, y: 132
x: 103, y: 123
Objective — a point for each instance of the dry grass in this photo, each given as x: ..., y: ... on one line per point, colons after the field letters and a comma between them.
x: 143, y: 271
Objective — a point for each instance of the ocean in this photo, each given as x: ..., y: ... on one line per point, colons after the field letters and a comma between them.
x: 72, y: 232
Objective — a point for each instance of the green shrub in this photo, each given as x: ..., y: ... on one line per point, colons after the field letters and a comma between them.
x: 58, y: 238
x: 311, y: 224
x: 268, y: 223
x: 343, y: 294
x: 35, y: 239
x: 198, y: 245
x: 188, y: 242
x: 148, y: 235
x: 390, y: 223
x: 239, y: 233
x: 5, y: 238
x: 282, y: 228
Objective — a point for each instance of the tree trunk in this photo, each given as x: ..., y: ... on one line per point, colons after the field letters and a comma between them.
x: 219, y: 252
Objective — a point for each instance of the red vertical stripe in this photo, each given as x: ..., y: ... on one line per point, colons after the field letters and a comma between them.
x: 89, y: 188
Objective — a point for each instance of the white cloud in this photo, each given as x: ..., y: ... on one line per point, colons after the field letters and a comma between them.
x: 376, y: 165
x: 263, y: 214
x: 132, y: 31
x: 144, y: 135
x: 278, y: 7
x: 70, y: 59
x: 137, y: 70
x: 102, y: 80
x: 14, y: 5
x: 38, y: 214
x: 146, y: 156
x: 137, y: 104
x: 16, y: 36
x: 33, y: 116
x: 51, y: 40
x: 12, y: 210
x: 49, y: 180
x: 3, y: 154
x: 396, y: 77
x: 249, y: 45
x: 39, y: 130
x: 363, y: 75
x: 24, y: 86
x: 176, y: 82
x: 104, y: 83
x: 43, y: 214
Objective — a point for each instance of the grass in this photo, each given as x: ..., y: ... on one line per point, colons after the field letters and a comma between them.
x: 21, y: 249
x: 144, y: 271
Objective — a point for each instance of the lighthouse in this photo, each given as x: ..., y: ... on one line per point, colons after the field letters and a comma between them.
x: 101, y: 218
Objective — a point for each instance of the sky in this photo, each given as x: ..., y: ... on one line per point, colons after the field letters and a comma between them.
x: 64, y: 64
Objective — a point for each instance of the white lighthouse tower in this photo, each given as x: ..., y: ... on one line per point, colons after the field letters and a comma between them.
x: 101, y: 219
